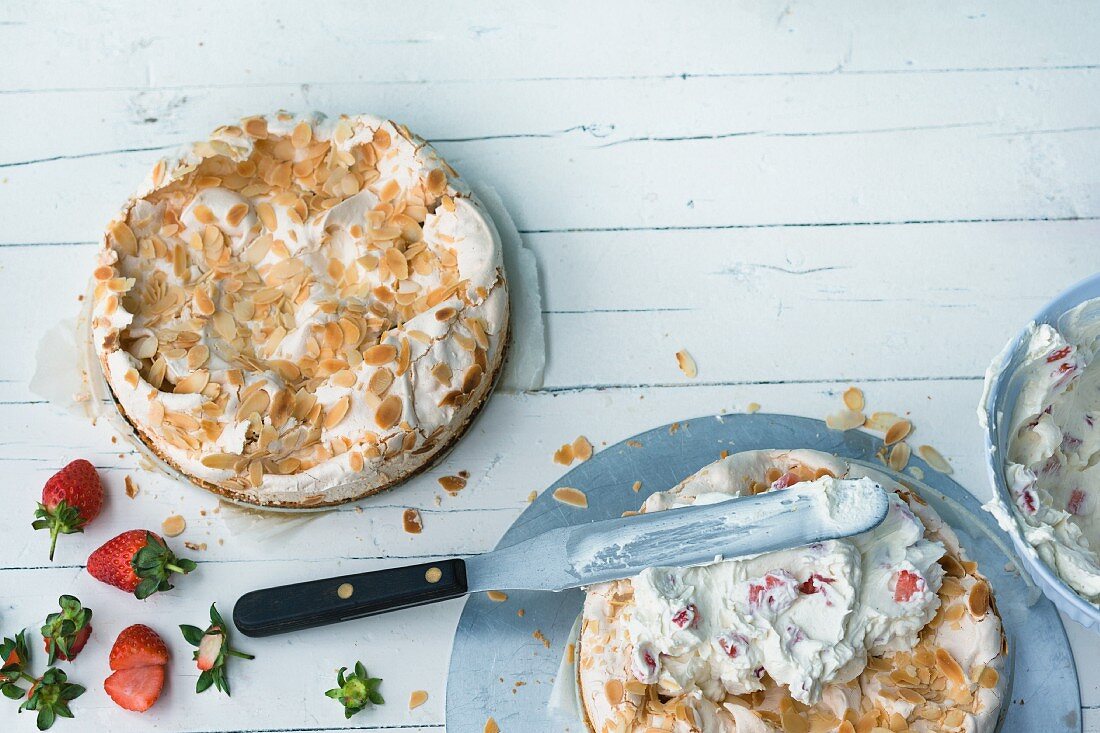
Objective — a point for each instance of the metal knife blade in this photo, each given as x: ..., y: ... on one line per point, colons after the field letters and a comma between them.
x: 580, y: 555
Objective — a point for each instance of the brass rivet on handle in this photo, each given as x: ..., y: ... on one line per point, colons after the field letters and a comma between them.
x: 433, y: 575
x: 345, y: 591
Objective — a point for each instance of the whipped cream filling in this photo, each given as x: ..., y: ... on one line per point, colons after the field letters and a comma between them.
x: 808, y: 617
x: 301, y: 309
x: 1054, y: 448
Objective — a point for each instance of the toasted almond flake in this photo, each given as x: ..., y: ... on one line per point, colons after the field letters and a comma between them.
x: 582, y: 448
x: 204, y: 214
x: 174, y: 525
x: 266, y: 212
x: 898, y: 431
x: 256, y: 474
x: 899, y: 456
x: 380, y: 381
x: 949, y: 667
x: 302, y: 135
x: 491, y: 727
x: 336, y: 413
x: 752, y: 407
x: 686, y: 364
x: 472, y: 378
x: 388, y: 412
x: 257, y: 402
x: 853, y: 399
x: 497, y: 596
x: 220, y: 460
x: 442, y: 373
x: 380, y: 354
x: 636, y: 487
x: 256, y: 127
x: 880, y: 422
x: 613, y: 691
x: 978, y: 600
x: 344, y: 378
x: 124, y: 237
x: 845, y: 420
x: 988, y: 679
x: 417, y: 698
x: 934, y: 459
x: 452, y: 484
x: 412, y: 522
x: 236, y: 214
x: 193, y: 383
x: 573, y: 497
x: 131, y: 487
x: 564, y: 455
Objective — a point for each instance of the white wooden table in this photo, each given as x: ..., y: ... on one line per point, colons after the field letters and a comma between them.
x: 805, y: 195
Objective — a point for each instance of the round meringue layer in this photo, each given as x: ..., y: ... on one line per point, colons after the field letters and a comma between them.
x: 892, y: 628
x: 301, y: 311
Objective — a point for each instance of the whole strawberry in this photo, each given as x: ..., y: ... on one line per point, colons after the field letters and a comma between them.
x: 138, y: 562
x: 66, y: 633
x: 70, y: 499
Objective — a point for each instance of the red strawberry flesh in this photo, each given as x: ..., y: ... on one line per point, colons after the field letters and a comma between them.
x: 907, y: 585
x: 136, y: 689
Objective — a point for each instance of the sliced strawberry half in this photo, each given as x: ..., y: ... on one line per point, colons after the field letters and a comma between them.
x: 136, y: 689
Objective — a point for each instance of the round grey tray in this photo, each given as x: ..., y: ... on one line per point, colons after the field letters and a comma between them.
x: 499, y: 668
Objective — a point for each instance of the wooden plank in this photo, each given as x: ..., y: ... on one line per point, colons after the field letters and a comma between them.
x: 762, y: 305
x: 203, y: 43
x: 613, y: 112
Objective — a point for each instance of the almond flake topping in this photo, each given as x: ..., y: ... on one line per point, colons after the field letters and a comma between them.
x: 573, y: 497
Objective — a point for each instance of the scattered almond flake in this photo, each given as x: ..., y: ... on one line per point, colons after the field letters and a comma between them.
x: 898, y: 431
x: 637, y: 486
x: 723, y: 454
x: 880, y: 422
x: 934, y: 459
x: 452, y: 484
x: 752, y: 407
x: 571, y: 496
x: 674, y: 428
x: 899, y: 456
x: 412, y: 521
x: 564, y: 455
x: 633, y: 444
x: 197, y: 546
x: 497, y: 596
x: 541, y: 637
x: 853, y: 399
x: 582, y: 448
x: 570, y: 652
x: 521, y: 612
x: 131, y: 487
x: 532, y: 496
x: 845, y: 420
x: 174, y: 525
x: 491, y: 726
x: 417, y: 698
x: 687, y: 364
x: 916, y: 473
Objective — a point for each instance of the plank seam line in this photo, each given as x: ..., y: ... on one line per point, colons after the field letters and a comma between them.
x: 838, y: 71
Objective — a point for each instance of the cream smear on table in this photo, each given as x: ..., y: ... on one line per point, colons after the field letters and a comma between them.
x: 1054, y: 447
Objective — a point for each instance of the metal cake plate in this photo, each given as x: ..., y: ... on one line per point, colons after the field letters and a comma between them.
x: 499, y: 668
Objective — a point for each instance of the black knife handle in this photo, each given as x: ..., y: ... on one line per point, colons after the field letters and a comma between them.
x: 317, y: 602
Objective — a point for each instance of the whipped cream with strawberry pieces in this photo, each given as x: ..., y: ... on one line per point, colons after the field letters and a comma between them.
x: 1054, y: 448
x: 301, y: 311
x: 808, y: 617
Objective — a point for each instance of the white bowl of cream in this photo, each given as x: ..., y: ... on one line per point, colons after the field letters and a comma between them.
x: 1041, y: 415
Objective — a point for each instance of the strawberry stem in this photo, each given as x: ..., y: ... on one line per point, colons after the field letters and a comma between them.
x: 242, y: 655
